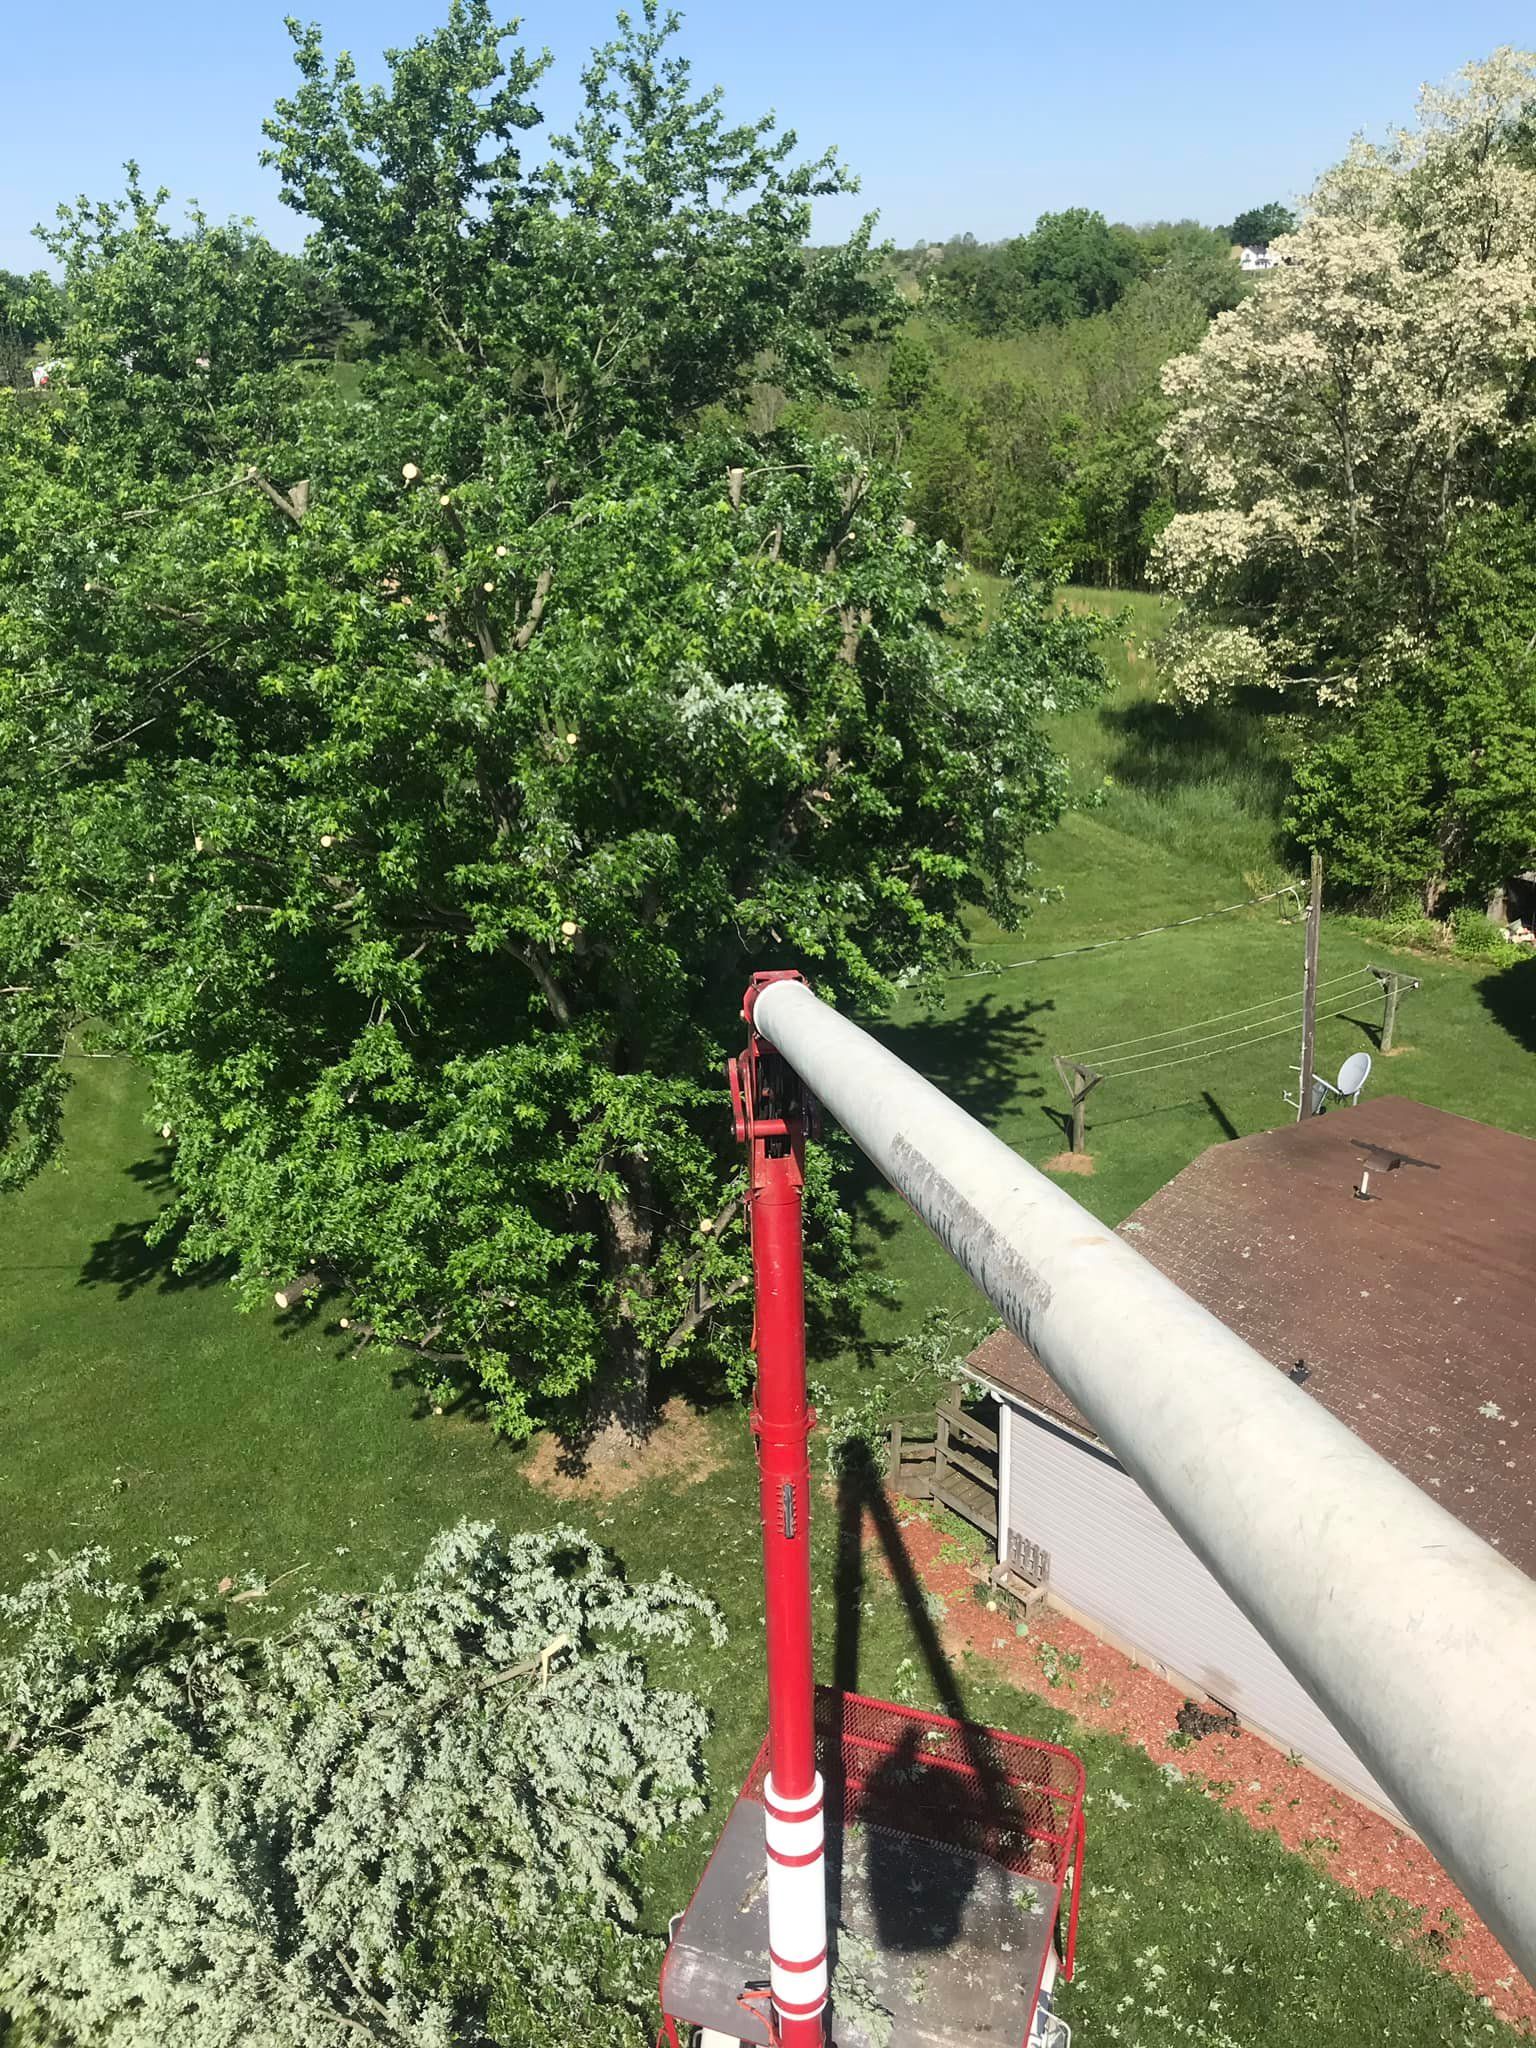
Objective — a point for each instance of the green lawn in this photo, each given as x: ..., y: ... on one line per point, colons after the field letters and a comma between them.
x: 1186, y: 824
x: 135, y: 1407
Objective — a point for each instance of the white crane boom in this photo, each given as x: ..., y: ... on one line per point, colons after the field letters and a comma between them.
x: 1413, y: 1635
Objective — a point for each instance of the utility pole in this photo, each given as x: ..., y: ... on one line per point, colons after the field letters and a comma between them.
x: 1309, y: 991
x: 1079, y: 1082
x: 1392, y: 985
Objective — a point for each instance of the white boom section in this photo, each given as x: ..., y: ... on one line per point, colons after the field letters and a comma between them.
x: 1415, y: 1637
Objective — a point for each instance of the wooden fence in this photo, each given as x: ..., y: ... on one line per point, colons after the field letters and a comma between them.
x: 949, y: 1457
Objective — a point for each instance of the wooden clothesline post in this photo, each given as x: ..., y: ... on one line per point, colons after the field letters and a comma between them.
x: 1392, y: 985
x: 1079, y: 1082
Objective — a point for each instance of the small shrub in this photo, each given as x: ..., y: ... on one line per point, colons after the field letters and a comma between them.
x: 904, y: 1687
x: 1475, y: 935
x: 1057, y: 1663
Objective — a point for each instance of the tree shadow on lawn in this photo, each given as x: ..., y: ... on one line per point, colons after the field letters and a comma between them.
x: 126, y: 1260
x: 1162, y: 748
x: 1509, y: 997
x: 987, y: 1058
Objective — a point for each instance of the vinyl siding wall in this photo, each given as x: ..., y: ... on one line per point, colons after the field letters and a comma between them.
x: 1122, y: 1567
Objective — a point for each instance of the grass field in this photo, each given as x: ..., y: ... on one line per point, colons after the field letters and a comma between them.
x: 1184, y: 826
x: 135, y: 1406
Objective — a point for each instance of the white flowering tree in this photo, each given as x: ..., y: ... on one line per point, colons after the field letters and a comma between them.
x: 407, y: 1819
x: 1333, y: 428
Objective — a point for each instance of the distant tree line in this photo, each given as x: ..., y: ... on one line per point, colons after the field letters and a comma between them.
x: 30, y: 310
x: 35, y: 309
x: 1330, y: 467
x: 1023, y: 395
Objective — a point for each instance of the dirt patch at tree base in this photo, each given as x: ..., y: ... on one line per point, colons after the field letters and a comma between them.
x: 1070, y: 1162
x: 679, y: 1448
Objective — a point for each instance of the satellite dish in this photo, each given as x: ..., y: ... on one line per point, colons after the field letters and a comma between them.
x: 1354, y: 1074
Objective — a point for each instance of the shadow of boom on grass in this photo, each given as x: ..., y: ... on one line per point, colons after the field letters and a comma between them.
x: 986, y: 1056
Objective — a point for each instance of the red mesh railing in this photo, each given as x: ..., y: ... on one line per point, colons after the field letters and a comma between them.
x: 948, y: 1782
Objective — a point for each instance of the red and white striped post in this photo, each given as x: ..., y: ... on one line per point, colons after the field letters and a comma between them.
x: 772, y: 1114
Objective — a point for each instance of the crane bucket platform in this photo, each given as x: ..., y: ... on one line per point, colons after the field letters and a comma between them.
x: 954, y: 1867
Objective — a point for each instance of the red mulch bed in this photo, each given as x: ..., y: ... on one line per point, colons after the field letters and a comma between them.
x: 1307, y: 1813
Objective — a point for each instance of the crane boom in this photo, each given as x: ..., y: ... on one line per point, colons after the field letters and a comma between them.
x: 1413, y: 1635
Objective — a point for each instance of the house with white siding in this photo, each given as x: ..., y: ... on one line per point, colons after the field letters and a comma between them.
x: 1383, y: 1257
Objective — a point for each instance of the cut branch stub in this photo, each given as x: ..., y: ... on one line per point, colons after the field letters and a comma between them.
x: 296, y: 1290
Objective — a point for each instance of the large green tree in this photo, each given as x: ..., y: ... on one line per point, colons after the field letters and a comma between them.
x: 1431, y: 785
x: 409, y: 776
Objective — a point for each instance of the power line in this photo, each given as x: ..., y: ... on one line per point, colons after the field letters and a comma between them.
x: 1125, y: 938
x: 1236, y: 1032
x: 1174, y: 1030
x: 1285, y: 1030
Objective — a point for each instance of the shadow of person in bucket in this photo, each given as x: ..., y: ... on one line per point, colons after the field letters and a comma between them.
x: 917, y: 1889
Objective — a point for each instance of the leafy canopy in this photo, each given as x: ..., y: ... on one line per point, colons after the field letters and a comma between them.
x: 409, y: 774
x: 1068, y: 266
x: 650, y: 267
x: 1430, y: 788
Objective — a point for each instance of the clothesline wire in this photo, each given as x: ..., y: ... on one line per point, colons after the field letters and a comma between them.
x: 1126, y: 938
x: 1283, y: 1032
x: 1236, y: 1032
x: 1221, y: 1016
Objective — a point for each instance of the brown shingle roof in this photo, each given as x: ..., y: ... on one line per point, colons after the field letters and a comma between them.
x: 1414, y: 1314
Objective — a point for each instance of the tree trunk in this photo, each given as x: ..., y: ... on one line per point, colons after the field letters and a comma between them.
x: 619, y: 1414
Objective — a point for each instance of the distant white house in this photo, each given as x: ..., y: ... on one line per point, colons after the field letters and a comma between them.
x: 43, y: 372
x: 1257, y: 257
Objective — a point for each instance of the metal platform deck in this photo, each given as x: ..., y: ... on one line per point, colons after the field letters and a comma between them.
x: 951, y: 1945
x: 947, y: 1848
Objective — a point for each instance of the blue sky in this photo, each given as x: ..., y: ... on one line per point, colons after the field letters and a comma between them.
x: 976, y: 115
